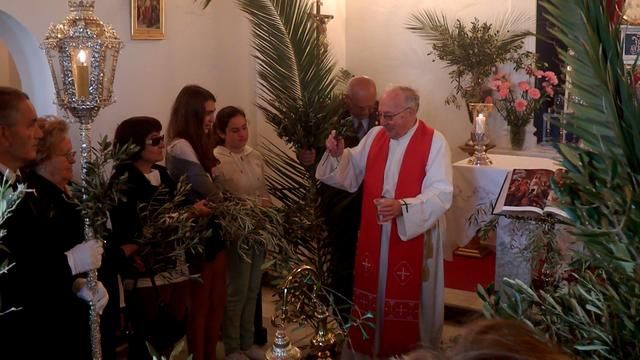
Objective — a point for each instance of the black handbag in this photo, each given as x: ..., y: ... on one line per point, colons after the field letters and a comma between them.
x: 162, y: 331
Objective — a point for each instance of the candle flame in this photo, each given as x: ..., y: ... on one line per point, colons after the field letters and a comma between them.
x: 82, y: 57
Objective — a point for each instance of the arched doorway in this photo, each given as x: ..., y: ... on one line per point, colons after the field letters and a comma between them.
x: 31, y: 63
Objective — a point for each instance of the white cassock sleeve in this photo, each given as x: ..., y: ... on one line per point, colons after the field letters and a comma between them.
x: 436, y: 194
x: 347, y: 171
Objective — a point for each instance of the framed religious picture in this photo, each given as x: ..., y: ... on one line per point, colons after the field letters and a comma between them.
x: 630, y: 43
x: 147, y: 19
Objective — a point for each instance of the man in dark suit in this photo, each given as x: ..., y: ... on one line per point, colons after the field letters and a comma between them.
x: 341, y: 209
x: 39, y: 278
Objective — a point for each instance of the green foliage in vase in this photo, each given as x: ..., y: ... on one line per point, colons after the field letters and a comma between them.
x: 595, y: 311
x: 472, y: 51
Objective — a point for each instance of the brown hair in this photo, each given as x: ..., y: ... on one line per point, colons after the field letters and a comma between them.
x: 222, y: 121
x: 54, y: 131
x: 10, y: 100
x: 186, y: 122
x: 503, y: 340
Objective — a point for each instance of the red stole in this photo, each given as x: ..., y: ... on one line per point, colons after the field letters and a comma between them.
x: 400, y: 323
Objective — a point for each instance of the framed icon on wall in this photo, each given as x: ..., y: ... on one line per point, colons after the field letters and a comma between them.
x: 147, y: 19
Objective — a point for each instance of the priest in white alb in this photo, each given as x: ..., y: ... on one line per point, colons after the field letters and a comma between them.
x: 405, y: 168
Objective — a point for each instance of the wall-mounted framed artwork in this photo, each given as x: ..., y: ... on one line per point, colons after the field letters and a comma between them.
x: 630, y: 43
x: 147, y: 19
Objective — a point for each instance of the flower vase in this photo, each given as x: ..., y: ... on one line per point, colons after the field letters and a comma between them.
x: 517, y: 136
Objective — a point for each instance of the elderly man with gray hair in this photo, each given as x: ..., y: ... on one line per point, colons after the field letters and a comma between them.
x: 405, y: 168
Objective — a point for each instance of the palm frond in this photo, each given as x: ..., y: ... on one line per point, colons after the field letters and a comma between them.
x: 608, y: 111
x: 296, y: 74
x: 287, y: 180
x: 595, y: 313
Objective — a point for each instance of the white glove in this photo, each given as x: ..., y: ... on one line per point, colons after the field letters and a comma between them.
x: 84, y: 257
x: 100, y: 298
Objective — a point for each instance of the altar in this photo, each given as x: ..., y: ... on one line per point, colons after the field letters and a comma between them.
x: 475, y: 189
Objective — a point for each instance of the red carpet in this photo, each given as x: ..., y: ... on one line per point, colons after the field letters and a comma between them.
x: 464, y: 273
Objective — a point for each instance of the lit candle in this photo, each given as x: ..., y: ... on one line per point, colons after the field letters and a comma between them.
x: 479, y: 125
x: 81, y: 74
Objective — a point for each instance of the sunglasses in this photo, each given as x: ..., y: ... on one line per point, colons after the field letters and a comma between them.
x: 155, y: 141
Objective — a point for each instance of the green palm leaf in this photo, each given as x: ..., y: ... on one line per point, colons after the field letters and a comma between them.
x: 595, y: 315
x: 296, y: 74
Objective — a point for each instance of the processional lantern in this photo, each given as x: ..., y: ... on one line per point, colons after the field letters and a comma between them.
x: 83, y: 53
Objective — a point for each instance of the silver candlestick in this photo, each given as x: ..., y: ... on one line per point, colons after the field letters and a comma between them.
x: 480, y: 141
x: 479, y: 136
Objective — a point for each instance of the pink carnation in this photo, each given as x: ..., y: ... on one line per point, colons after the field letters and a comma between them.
x: 505, y: 85
x: 538, y: 73
x: 503, y: 93
x: 520, y: 105
x: 551, y: 76
x: 534, y: 93
x: 523, y: 85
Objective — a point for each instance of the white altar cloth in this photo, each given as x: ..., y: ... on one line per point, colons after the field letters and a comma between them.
x: 477, y: 187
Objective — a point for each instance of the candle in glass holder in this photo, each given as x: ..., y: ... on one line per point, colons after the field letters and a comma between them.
x: 81, y: 73
x: 479, y: 124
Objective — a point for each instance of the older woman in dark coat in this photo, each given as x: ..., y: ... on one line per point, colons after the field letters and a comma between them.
x: 63, y: 303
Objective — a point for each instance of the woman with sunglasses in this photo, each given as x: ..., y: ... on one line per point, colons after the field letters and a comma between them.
x: 144, y: 178
x: 190, y: 154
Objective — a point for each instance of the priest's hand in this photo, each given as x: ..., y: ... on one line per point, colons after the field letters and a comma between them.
x: 388, y: 209
x: 335, y: 144
x: 100, y: 298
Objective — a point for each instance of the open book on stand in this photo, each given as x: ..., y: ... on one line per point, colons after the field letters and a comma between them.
x: 528, y: 193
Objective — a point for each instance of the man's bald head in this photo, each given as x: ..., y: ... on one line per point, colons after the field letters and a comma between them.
x: 360, y: 97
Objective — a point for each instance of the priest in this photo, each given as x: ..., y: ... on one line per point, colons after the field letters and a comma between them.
x: 405, y: 167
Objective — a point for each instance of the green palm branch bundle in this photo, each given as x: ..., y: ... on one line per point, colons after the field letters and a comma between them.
x: 595, y: 312
x: 296, y: 74
x: 170, y: 231
x: 472, y: 51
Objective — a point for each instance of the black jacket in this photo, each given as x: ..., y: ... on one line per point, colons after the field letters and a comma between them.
x: 42, y: 228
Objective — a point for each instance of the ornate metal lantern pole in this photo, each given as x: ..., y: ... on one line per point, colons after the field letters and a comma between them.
x: 83, y: 54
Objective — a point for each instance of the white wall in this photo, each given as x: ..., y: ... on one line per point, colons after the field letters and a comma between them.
x: 9, y: 75
x: 212, y: 48
x: 378, y: 45
x: 208, y: 47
